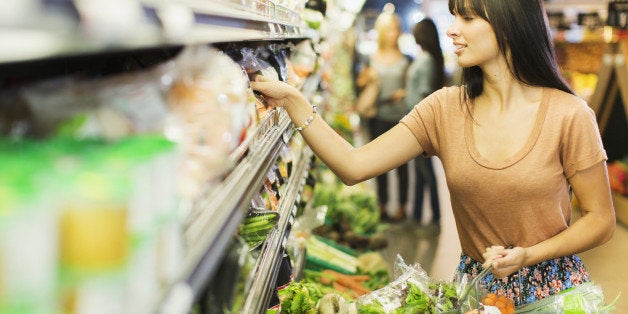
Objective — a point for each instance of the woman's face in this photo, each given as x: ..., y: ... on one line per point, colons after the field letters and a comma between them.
x: 474, y: 41
x: 389, y: 32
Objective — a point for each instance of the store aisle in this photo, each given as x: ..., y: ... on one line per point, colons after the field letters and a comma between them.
x: 438, y: 252
x: 608, y: 266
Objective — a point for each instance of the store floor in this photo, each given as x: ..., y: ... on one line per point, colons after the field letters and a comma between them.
x: 438, y: 252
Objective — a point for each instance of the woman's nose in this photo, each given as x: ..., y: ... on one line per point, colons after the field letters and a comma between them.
x: 452, y: 31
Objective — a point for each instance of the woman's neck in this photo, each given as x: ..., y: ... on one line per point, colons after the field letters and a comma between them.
x: 388, y: 54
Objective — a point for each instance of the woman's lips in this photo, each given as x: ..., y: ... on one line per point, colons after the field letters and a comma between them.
x: 459, y: 48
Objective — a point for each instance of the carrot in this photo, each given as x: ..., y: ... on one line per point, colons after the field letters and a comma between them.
x: 349, y: 277
x: 353, y: 285
x: 343, y: 290
x: 348, y: 281
x: 360, y: 277
x: 325, y: 280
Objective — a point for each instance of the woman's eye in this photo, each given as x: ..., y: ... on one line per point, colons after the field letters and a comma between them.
x: 468, y: 18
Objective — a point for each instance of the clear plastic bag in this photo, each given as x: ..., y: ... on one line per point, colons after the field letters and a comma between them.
x: 413, y: 292
x: 584, y: 298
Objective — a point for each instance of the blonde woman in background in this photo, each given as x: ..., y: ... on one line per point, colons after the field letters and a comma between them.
x: 389, y: 65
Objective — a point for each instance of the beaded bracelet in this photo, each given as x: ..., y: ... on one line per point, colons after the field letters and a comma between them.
x: 308, y: 121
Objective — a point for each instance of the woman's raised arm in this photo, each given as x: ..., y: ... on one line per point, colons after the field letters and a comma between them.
x: 350, y: 164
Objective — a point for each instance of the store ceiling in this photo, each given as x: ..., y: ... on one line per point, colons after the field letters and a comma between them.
x: 405, y: 8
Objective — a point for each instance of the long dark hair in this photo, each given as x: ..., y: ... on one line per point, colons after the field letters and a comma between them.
x: 523, y: 36
x: 426, y: 35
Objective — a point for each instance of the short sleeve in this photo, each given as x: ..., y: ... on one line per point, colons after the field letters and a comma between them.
x: 422, y: 122
x: 581, y: 146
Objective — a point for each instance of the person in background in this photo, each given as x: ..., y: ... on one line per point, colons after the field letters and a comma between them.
x: 514, y: 141
x: 425, y: 76
x: 389, y: 65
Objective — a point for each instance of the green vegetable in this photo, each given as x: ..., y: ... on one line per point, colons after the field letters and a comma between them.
x: 255, y: 227
x: 371, y: 308
x: 299, y: 298
x: 321, y: 253
x: 417, y: 301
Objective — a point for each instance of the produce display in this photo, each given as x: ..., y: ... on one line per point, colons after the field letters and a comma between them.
x: 618, y: 176
x: 412, y: 291
x: 352, y: 217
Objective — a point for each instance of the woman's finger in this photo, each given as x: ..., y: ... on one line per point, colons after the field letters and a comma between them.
x: 261, y: 78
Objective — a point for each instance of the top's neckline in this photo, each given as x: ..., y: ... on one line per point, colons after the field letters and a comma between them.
x: 525, y: 149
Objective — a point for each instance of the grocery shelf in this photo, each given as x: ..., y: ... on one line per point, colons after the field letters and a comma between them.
x: 214, y: 220
x: 220, y: 212
x: 211, y: 223
x: 267, y: 266
x: 177, y: 23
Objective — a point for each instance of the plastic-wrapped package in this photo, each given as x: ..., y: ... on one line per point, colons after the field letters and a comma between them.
x: 277, y: 58
x: 136, y: 97
x: 253, y: 64
x: 413, y: 292
x: 55, y: 101
x: 112, y: 107
x: 208, y: 101
x: 303, y: 59
x: 584, y: 298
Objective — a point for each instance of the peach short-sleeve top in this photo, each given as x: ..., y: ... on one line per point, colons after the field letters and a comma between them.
x: 519, y: 201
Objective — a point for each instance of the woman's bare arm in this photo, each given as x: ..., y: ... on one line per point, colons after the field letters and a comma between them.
x: 595, y: 227
x: 350, y: 164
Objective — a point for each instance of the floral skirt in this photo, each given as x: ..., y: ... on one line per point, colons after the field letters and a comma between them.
x: 531, y: 283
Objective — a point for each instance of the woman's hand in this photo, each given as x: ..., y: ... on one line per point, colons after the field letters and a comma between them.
x: 504, y: 261
x: 277, y: 93
x: 397, y: 96
x: 366, y: 77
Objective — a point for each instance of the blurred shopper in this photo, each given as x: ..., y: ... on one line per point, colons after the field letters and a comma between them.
x: 388, y: 65
x: 425, y: 76
x: 514, y: 141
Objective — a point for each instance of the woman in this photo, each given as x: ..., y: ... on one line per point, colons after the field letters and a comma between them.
x: 425, y: 75
x: 513, y: 140
x: 388, y: 65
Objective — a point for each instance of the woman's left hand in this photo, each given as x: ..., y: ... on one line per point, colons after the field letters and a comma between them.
x: 504, y: 261
x: 397, y: 96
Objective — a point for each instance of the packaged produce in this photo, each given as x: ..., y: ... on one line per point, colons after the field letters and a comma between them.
x: 303, y: 59
x: 252, y: 62
x: 58, y: 100
x: 411, y: 292
x: 585, y: 298
x: 256, y: 226
x: 208, y: 101
x: 277, y: 58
